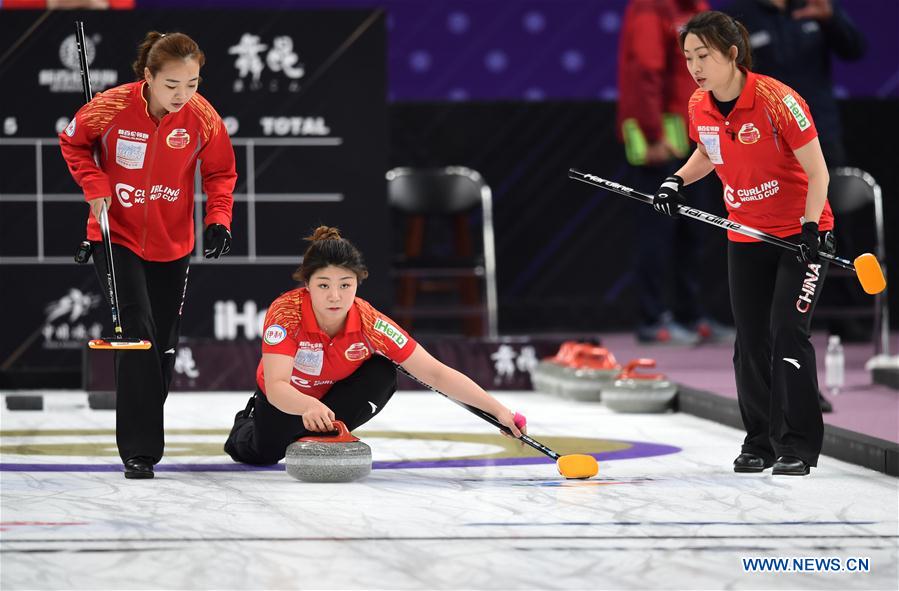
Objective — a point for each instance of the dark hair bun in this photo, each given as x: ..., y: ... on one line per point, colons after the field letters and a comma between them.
x: 324, y: 233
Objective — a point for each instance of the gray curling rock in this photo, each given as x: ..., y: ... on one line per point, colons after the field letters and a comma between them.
x: 640, y: 395
x: 586, y: 384
x: 342, y: 458
x: 544, y: 375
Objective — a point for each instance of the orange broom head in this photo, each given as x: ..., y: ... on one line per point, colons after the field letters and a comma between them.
x: 870, y: 274
x: 578, y: 466
x: 120, y: 344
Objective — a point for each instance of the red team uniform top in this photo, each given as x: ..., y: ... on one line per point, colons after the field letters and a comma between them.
x: 319, y: 360
x: 752, y: 149
x: 148, y: 167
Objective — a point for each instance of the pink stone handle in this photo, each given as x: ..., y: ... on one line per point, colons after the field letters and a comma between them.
x: 520, y: 421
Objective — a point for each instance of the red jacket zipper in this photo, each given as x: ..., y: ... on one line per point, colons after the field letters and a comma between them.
x: 148, y: 192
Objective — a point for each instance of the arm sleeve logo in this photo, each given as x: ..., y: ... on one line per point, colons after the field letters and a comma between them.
x: 274, y: 334
x: 797, y: 112
x: 391, y: 331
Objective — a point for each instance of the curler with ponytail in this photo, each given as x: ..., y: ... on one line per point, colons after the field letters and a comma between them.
x: 327, y: 248
x: 721, y: 32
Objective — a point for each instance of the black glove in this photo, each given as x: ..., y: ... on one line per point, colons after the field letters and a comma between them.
x: 809, y: 243
x: 216, y: 241
x: 668, y: 196
x: 828, y: 243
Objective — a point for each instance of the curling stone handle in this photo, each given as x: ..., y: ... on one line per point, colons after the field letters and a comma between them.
x: 599, y: 353
x: 566, y: 352
x: 630, y: 370
x: 341, y: 429
x: 343, y: 435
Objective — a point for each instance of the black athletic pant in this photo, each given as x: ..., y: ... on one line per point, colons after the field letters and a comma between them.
x: 773, y: 297
x: 262, y: 437
x: 150, y: 299
x: 667, y: 245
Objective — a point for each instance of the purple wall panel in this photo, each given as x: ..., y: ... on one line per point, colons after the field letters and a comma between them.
x: 545, y: 49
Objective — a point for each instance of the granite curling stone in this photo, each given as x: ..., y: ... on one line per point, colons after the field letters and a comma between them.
x: 640, y: 393
x: 335, y: 457
x: 577, y: 371
x: 545, y: 374
x: 592, y: 370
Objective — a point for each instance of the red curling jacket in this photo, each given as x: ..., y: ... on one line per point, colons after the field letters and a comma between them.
x: 113, y: 147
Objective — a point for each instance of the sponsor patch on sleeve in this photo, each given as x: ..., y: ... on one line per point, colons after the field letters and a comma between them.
x: 274, y: 334
x: 797, y: 112
x: 392, y: 332
x: 70, y: 128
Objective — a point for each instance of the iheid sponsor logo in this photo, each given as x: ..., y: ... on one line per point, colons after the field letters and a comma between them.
x: 797, y: 112
x: 392, y: 332
x: 809, y: 285
x: 229, y: 320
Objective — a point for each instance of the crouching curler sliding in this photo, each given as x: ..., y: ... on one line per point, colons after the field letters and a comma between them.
x: 328, y: 356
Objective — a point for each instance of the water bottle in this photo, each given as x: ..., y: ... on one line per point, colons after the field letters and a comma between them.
x: 834, y: 364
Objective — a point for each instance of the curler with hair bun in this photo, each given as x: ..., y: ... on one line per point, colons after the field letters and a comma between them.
x: 323, y: 233
x: 328, y: 248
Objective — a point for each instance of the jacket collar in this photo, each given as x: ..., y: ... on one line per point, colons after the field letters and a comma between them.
x: 746, y: 100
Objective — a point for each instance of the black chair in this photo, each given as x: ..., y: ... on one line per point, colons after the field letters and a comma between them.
x: 850, y: 190
x: 449, y: 196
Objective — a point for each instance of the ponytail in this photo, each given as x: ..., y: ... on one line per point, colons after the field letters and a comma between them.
x: 744, y: 51
x: 143, y: 53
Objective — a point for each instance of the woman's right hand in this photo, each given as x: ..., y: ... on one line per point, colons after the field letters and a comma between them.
x: 515, y: 422
x: 96, y: 205
x: 319, y: 417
